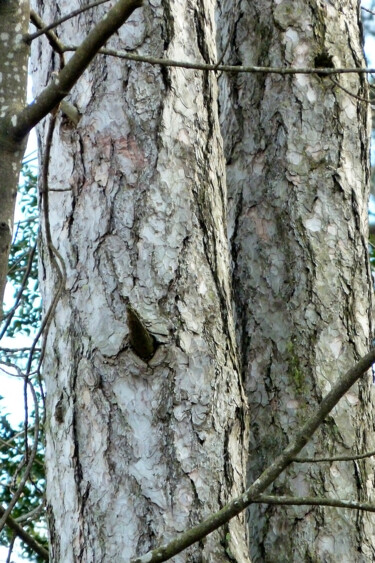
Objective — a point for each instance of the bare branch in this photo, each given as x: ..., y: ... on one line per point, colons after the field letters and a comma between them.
x: 7, y: 443
x: 268, y: 476
x: 314, y: 501
x: 10, y: 314
x: 17, y: 494
x: 63, y: 83
x: 25, y: 536
x: 367, y: 10
x: 60, y: 270
x: 53, y: 40
x: 58, y: 264
x: 228, y: 68
x: 16, y: 350
x: 359, y: 98
x: 31, y: 36
x: 10, y: 548
x: 334, y: 458
x: 35, y: 513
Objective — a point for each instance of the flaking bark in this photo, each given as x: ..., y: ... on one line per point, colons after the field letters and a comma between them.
x: 297, y: 153
x: 144, y: 448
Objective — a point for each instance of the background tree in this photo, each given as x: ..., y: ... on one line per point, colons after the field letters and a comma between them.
x: 146, y: 410
x: 297, y: 148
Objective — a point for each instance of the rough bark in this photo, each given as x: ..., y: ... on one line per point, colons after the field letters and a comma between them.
x: 140, y: 446
x: 297, y: 172
x: 16, y: 119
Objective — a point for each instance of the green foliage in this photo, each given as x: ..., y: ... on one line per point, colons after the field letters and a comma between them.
x: 23, y: 261
x: 13, y: 462
x: 23, y: 318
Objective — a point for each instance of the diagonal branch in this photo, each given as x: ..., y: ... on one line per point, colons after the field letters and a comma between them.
x: 268, y: 476
x: 63, y: 83
x: 25, y: 536
x: 53, y: 40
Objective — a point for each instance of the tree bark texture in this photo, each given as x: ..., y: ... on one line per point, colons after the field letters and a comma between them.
x: 147, y: 425
x: 146, y: 430
x: 297, y: 172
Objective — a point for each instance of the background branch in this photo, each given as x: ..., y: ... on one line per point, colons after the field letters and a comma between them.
x: 334, y: 458
x: 228, y: 68
x: 315, y: 501
x: 27, y: 538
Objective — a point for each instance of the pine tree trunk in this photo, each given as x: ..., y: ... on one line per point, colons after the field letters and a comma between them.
x: 147, y: 417
x: 148, y: 423
x: 297, y: 172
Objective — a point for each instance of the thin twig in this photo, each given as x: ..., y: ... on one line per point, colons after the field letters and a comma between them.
x: 17, y: 350
x: 30, y: 463
x: 53, y: 40
x: 32, y: 514
x: 314, y: 501
x: 10, y: 548
x: 367, y: 10
x: 31, y: 36
x: 60, y: 189
x: 359, y: 98
x: 60, y: 270
x: 25, y: 278
x: 58, y: 265
x: 227, y: 68
x: 229, y: 40
x: 333, y: 458
x: 25, y: 536
x: 7, y: 443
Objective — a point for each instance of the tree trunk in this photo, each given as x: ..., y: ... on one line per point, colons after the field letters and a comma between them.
x: 146, y: 431
x: 297, y: 172
x: 147, y: 419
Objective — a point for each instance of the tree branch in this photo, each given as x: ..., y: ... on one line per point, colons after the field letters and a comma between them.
x: 25, y: 536
x: 63, y: 83
x: 8, y: 317
x: 268, y: 476
x: 334, y: 458
x: 359, y: 98
x: 22, y: 482
x: 53, y: 40
x: 314, y: 501
x: 31, y: 36
x: 227, y: 68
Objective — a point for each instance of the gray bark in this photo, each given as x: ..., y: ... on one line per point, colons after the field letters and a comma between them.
x: 147, y: 427
x: 140, y: 447
x: 297, y: 172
